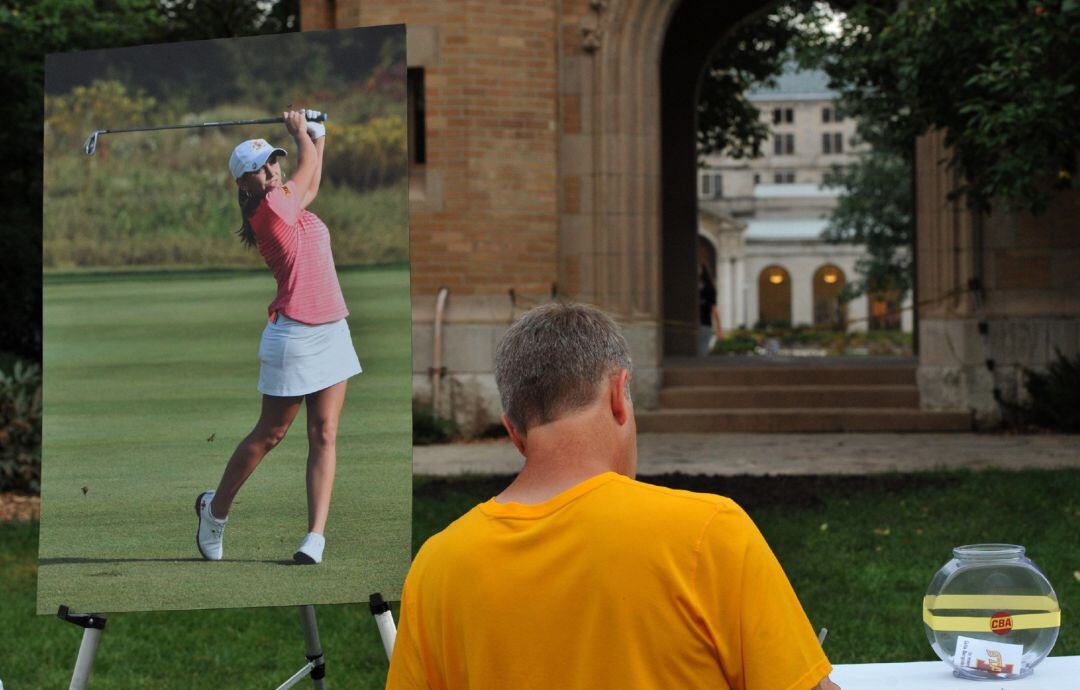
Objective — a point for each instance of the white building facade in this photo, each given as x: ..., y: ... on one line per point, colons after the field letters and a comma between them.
x: 760, y: 220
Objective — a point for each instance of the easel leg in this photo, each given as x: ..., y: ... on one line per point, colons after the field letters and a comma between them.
x: 93, y: 624
x: 85, y: 662
x: 314, y: 648
x: 316, y: 665
x: 384, y: 619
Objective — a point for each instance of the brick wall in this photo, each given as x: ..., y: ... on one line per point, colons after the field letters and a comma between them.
x: 1032, y: 263
x: 484, y: 218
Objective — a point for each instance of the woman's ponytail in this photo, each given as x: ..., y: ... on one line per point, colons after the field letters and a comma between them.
x: 248, y: 205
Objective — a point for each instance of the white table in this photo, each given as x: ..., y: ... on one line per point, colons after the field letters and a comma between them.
x: 1054, y: 673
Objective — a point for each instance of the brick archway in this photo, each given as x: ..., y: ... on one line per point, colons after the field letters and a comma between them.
x: 629, y: 219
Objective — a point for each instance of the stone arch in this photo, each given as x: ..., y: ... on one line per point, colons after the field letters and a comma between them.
x: 639, y: 194
x: 708, y: 285
x: 827, y: 284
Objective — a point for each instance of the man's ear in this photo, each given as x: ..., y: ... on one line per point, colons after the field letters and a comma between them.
x: 621, y: 407
x: 518, y: 439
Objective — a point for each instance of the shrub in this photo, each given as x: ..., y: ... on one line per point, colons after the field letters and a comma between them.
x: 368, y: 155
x: 71, y: 117
x: 428, y: 427
x: 738, y: 342
x: 20, y: 428
x: 1054, y: 396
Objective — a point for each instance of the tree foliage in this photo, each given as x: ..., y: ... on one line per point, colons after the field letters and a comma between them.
x: 201, y: 19
x: 752, y: 56
x: 875, y: 210
x: 999, y: 77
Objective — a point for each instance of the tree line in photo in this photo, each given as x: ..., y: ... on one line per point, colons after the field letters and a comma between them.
x: 165, y: 198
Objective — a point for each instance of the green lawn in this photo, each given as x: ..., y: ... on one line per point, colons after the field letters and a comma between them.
x: 866, y: 586
x: 141, y: 371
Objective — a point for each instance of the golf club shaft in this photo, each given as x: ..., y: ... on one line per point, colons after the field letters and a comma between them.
x: 260, y: 121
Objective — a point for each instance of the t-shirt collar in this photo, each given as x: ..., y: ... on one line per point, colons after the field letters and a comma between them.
x: 537, y: 510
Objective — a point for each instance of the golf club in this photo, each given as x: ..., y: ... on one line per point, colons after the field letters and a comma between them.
x: 91, y: 142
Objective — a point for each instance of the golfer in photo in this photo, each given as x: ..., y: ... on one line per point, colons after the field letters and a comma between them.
x: 306, y: 353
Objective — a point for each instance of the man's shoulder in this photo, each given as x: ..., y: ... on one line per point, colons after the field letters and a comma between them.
x: 651, y: 497
x: 454, y: 535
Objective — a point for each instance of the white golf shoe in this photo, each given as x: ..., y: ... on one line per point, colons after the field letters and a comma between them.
x: 208, y: 536
x: 310, y: 550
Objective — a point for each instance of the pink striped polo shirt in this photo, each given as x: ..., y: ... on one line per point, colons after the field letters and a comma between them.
x: 296, y: 247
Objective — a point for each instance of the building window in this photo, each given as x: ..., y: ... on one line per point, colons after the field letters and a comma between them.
x: 831, y: 115
x: 828, y: 285
x: 784, y: 177
x: 774, y: 297
x: 784, y: 144
x: 783, y: 116
x: 757, y: 178
x: 414, y: 78
x: 712, y: 185
x: 832, y: 142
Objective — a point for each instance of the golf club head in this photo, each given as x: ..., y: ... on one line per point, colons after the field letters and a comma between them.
x: 91, y: 142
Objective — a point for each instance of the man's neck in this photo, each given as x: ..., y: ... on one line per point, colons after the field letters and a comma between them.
x: 561, y: 455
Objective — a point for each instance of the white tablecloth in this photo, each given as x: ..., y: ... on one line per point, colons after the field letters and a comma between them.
x: 1054, y: 673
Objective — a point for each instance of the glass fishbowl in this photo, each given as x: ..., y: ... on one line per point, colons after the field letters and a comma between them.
x: 990, y: 613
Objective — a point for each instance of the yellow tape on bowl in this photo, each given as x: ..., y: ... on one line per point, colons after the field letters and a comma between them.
x: 1021, y: 621
x: 991, y: 602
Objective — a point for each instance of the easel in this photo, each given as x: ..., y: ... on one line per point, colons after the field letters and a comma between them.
x: 93, y: 624
x: 385, y: 622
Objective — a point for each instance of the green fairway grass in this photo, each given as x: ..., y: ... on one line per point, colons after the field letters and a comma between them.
x: 150, y: 382
x: 865, y: 586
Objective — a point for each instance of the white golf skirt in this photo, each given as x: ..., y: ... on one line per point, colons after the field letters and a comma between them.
x: 297, y: 359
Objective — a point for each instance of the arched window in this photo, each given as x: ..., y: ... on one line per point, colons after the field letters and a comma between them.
x: 774, y: 296
x: 828, y: 283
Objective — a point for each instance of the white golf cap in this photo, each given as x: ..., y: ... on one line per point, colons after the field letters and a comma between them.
x: 251, y: 155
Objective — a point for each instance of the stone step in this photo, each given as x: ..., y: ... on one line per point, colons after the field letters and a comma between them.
x: 781, y: 397
x: 801, y: 420
x: 788, y: 376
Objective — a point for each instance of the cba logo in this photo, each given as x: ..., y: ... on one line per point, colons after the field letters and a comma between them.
x: 1001, y: 623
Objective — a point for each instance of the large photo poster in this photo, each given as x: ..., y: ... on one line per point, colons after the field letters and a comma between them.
x: 226, y: 324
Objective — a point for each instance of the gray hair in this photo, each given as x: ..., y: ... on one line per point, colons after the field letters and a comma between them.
x: 553, y: 359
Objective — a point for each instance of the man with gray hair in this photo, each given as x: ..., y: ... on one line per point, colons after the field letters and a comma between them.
x: 578, y: 576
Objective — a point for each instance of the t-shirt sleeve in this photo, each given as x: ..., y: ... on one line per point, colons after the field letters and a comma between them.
x: 762, y: 635
x: 407, y: 670
x: 284, y: 202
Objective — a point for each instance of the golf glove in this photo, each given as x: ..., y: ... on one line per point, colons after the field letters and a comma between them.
x: 314, y: 129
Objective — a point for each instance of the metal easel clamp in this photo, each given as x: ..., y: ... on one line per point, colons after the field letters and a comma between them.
x: 89, y: 621
x: 377, y: 604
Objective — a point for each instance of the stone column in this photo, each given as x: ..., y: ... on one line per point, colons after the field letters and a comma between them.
x: 727, y: 299
x: 740, y: 292
x: 802, y: 293
x: 952, y: 374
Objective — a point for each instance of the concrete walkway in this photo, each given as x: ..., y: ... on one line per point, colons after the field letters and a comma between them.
x: 763, y: 454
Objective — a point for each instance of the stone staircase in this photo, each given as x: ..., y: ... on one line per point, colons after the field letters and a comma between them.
x: 794, y: 396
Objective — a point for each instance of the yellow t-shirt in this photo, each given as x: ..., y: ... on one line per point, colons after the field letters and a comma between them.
x: 611, y: 584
